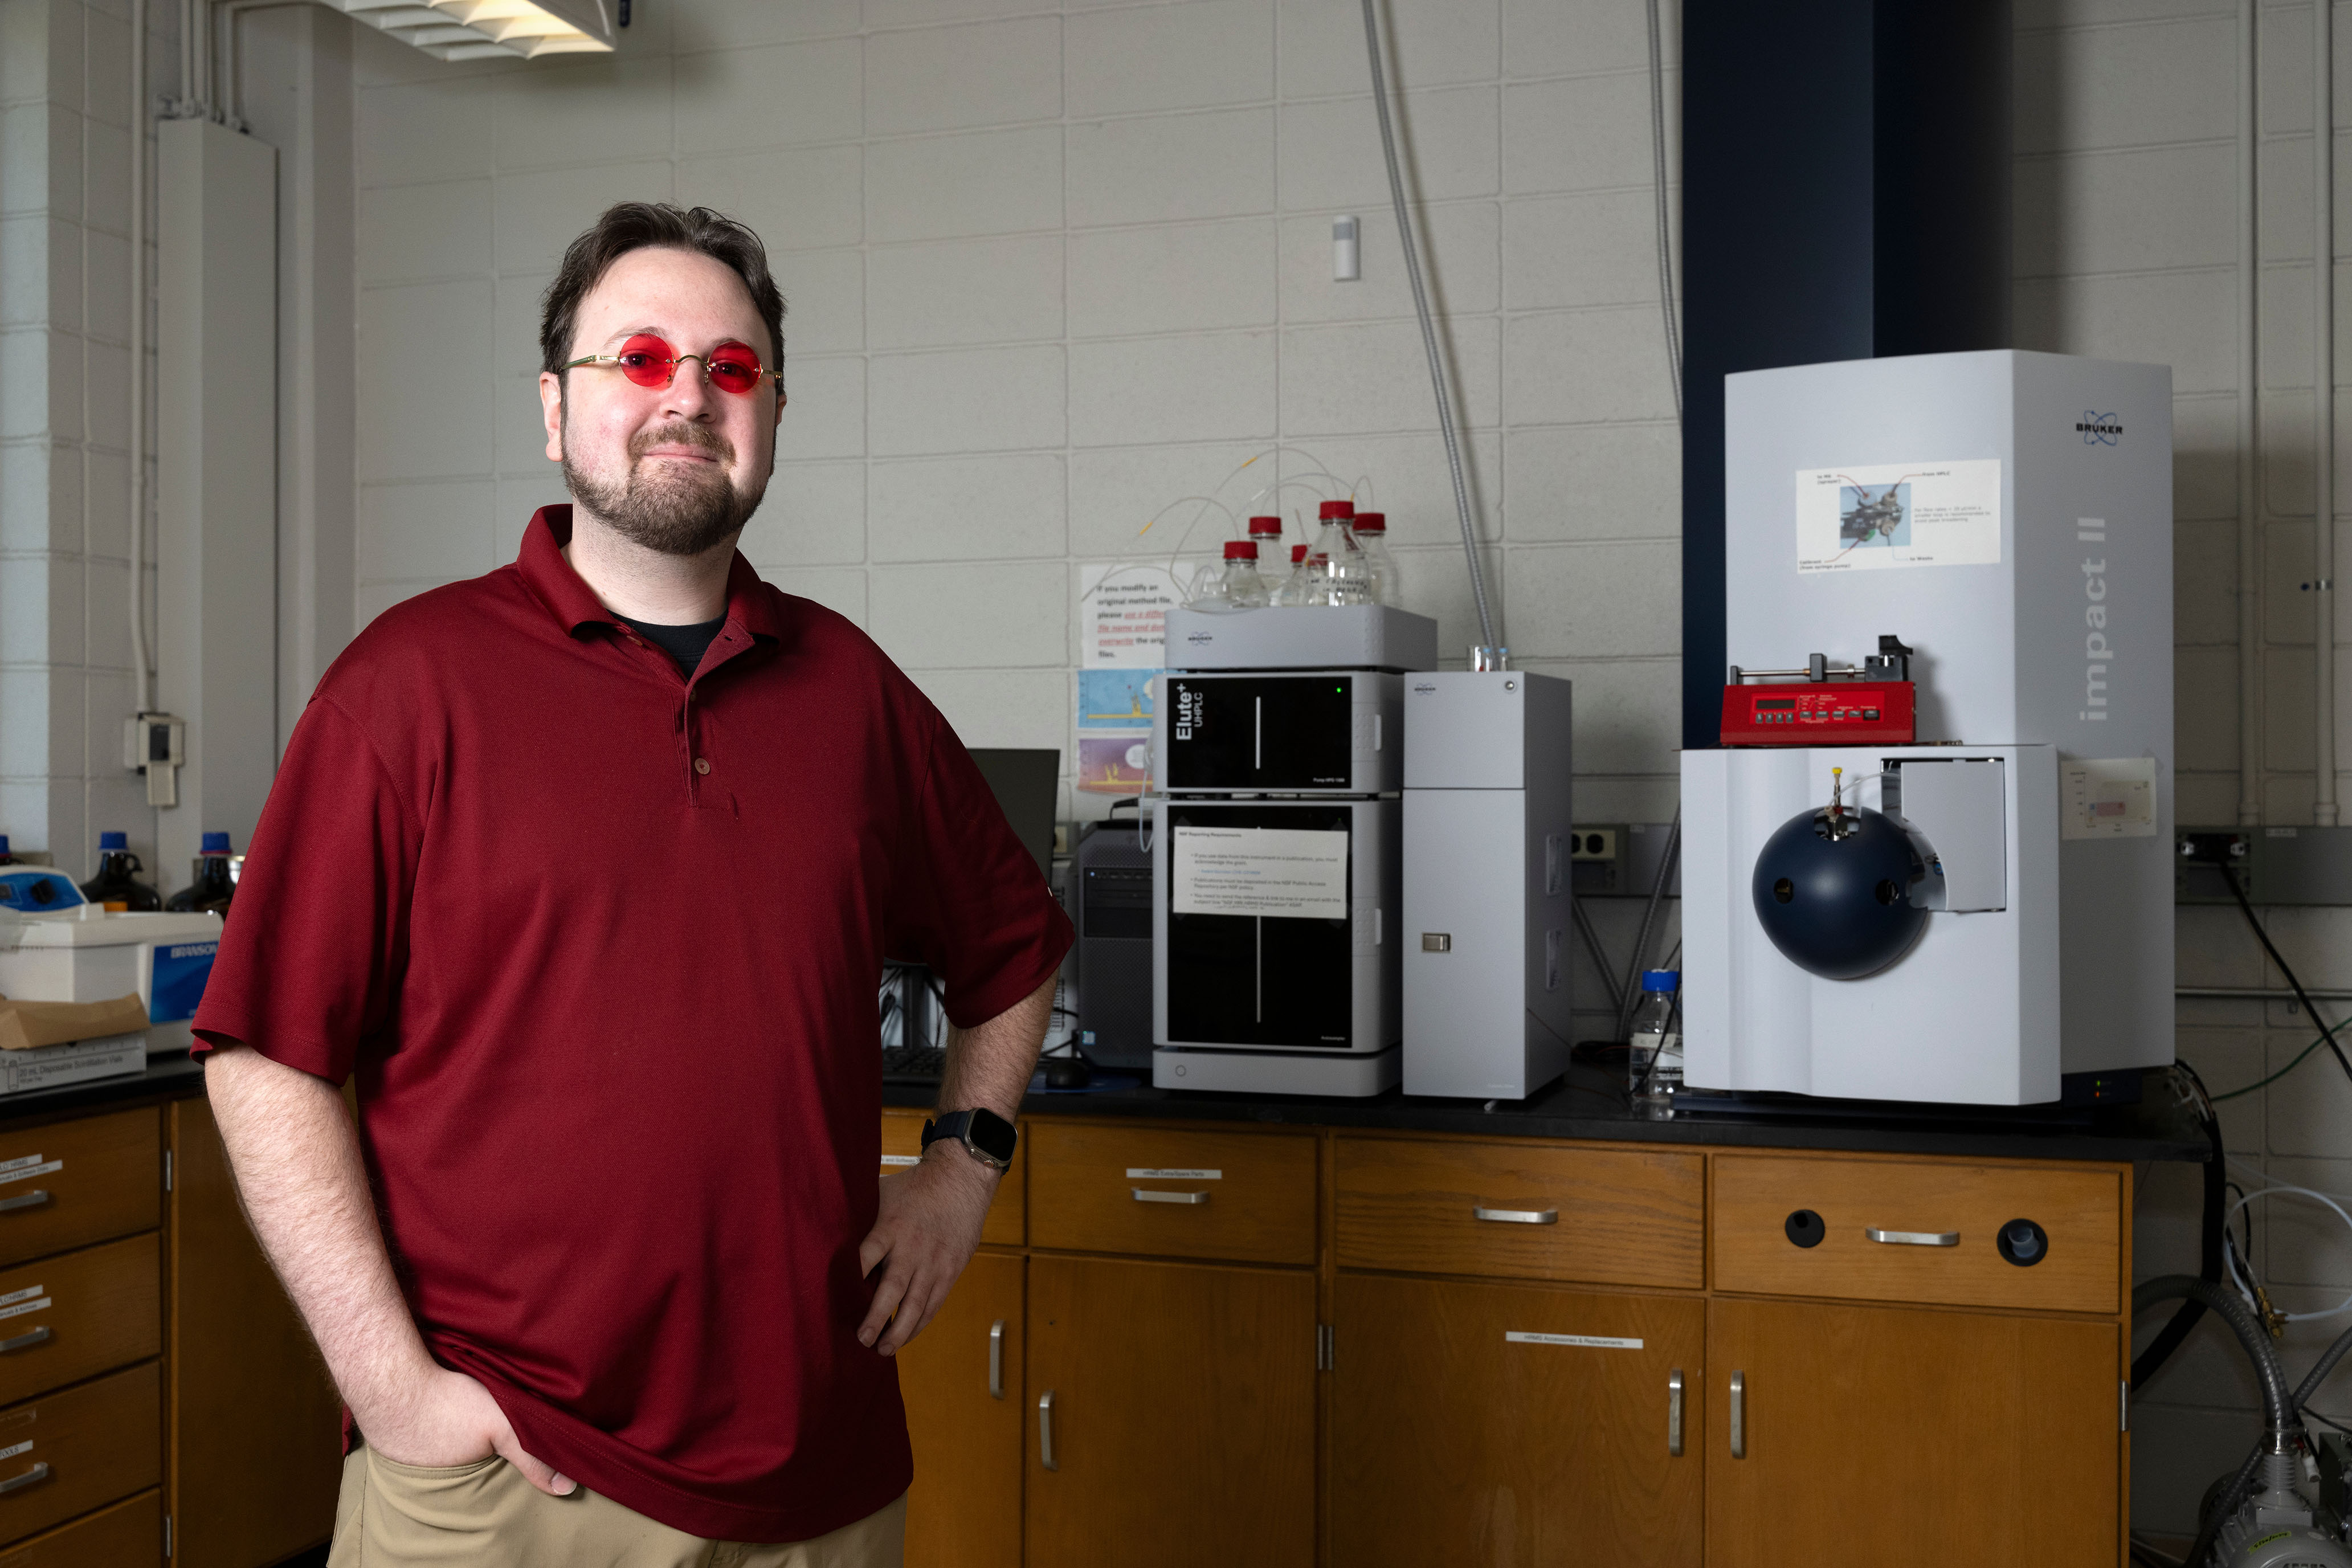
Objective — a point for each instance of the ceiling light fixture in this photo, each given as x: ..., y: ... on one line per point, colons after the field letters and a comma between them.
x: 489, y: 29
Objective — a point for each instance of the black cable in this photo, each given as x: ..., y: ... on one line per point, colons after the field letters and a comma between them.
x: 2326, y: 1030
x: 2217, y: 1174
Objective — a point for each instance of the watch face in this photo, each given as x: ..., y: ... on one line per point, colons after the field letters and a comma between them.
x: 992, y: 1135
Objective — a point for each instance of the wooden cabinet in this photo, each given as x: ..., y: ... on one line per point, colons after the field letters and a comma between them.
x: 1512, y: 1328
x: 1865, y: 1436
x: 962, y: 1381
x: 1171, y: 1414
x: 254, y: 1450
x: 1515, y: 1425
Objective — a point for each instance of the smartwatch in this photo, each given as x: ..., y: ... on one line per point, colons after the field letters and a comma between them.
x: 986, y: 1136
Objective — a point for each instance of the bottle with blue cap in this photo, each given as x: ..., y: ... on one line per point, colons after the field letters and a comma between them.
x: 211, y: 885
x: 1653, y: 1052
x: 117, y: 888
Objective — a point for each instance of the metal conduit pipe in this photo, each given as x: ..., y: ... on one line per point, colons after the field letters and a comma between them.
x: 2281, y: 1422
x: 2323, y: 414
x: 142, y: 678
x: 2250, y: 626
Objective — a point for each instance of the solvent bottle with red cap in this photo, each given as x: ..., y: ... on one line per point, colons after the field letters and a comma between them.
x: 1336, y: 572
x: 1371, y: 531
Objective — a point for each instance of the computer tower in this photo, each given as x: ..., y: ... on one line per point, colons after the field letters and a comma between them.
x: 1110, y: 903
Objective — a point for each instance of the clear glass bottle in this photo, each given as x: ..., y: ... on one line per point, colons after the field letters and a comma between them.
x: 1244, y: 588
x: 1371, y: 531
x: 210, y: 887
x: 1653, y: 1052
x: 1294, y: 587
x: 116, y: 885
x: 1336, y: 572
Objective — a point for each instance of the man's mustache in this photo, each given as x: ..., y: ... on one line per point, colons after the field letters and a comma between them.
x: 699, y: 437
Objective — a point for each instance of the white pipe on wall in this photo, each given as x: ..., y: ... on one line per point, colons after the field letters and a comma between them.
x: 2323, y: 336
x: 2250, y: 623
x: 142, y: 676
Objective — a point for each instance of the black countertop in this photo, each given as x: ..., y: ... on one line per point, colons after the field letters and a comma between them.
x: 175, y: 1077
x: 1590, y: 1103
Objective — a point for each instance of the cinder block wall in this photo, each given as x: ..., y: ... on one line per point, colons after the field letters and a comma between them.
x: 64, y: 422
x: 1049, y: 273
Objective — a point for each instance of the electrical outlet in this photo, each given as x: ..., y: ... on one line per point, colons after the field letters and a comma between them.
x: 2275, y: 866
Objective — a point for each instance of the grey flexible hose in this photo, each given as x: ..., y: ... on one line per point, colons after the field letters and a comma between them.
x: 1428, y: 332
x: 1666, y: 244
x: 2279, y: 1407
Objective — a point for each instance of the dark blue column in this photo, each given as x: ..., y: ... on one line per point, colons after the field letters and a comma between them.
x: 1845, y: 194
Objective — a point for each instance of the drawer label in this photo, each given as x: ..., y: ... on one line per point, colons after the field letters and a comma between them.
x: 18, y: 1169
x: 13, y: 1449
x: 1591, y: 1341
x: 902, y: 1159
x: 21, y: 1308
x: 26, y: 1294
x: 9, y: 1165
x: 1171, y: 1173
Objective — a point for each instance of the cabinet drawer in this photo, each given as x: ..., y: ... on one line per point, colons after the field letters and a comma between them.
x: 128, y: 1535
x: 902, y: 1145
x: 73, y: 1182
x: 1610, y: 1216
x: 67, y: 1453
x: 1917, y: 1230
x: 77, y: 1314
x: 1246, y: 1196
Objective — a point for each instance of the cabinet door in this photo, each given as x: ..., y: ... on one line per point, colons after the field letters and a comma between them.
x: 1182, y: 1415
x: 961, y: 1380
x: 1515, y: 1424
x: 255, y: 1454
x: 1873, y: 1434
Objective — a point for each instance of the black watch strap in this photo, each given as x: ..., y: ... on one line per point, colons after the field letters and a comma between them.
x: 987, y: 1136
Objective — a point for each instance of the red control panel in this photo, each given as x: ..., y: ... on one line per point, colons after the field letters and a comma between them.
x: 1820, y: 712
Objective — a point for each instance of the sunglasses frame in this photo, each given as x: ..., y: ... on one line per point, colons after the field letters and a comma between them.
x: 761, y: 372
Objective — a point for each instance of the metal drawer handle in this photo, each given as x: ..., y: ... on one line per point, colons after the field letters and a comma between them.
x: 25, y: 1340
x: 1516, y: 1216
x: 1738, y: 1414
x: 1674, y: 1413
x: 32, y: 1200
x: 1147, y: 1195
x: 1913, y: 1237
x: 996, y: 1359
x: 38, y: 1473
x: 1045, y: 1429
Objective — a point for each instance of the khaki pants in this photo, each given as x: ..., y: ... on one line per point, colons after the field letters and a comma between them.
x: 486, y: 1515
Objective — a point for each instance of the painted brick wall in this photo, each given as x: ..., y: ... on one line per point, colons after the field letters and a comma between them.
x: 1049, y: 273
x: 64, y: 460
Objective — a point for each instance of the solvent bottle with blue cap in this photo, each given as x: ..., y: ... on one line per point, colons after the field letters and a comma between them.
x: 210, y: 885
x: 1654, y: 1053
x: 116, y: 889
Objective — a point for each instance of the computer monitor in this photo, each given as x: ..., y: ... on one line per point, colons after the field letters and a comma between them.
x: 1027, y: 786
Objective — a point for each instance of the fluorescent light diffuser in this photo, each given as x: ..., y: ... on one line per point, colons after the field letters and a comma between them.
x: 489, y: 29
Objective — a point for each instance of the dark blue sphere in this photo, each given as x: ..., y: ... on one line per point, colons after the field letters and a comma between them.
x: 1838, y: 907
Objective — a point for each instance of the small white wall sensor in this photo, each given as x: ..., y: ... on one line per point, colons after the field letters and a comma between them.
x: 1345, y: 264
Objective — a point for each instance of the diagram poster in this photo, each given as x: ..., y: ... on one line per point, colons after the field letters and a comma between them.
x: 1116, y: 698
x: 1898, y: 514
x: 1123, y: 615
x: 1114, y: 764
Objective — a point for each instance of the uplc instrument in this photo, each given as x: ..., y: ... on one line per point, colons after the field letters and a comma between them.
x: 1931, y: 859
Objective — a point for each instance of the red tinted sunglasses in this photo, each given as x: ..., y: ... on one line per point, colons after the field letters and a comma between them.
x: 650, y: 361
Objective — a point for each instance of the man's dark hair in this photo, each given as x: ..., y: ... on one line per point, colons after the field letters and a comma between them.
x: 642, y: 225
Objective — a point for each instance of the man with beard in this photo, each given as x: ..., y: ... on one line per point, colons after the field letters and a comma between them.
x: 584, y: 871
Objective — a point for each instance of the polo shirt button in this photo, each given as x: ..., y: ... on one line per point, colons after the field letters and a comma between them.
x: 702, y: 764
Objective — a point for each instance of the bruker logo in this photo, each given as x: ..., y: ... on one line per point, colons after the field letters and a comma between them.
x: 2098, y: 428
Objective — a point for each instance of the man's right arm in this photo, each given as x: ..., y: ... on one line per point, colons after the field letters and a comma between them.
x: 295, y: 1155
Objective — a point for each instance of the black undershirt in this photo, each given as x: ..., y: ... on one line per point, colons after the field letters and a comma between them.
x: 685, y: 643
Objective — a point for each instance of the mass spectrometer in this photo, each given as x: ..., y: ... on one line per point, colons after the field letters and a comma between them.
x: 1929, y: 861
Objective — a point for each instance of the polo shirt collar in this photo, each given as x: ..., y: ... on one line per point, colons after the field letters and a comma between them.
x: 575, y: 605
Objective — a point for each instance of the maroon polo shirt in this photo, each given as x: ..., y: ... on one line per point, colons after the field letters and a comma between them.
x: 602, y: 944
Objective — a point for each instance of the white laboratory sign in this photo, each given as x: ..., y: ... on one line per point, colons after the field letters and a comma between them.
x: 1123, y: 615
x: 1872, y: 518
x: 2106, y: 797
x: 1589, y: 1342
x: 1288, y: 872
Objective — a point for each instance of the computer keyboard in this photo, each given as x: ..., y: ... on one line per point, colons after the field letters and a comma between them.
x: 912, y: 1064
